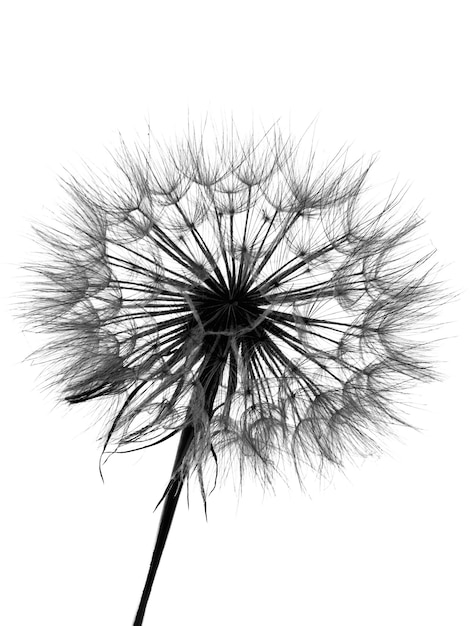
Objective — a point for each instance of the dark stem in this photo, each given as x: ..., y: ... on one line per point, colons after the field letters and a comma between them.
x: 169, y: 507
x: 210, y: 377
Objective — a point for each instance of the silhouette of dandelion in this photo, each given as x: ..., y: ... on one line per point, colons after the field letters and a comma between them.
x: 258, y: 306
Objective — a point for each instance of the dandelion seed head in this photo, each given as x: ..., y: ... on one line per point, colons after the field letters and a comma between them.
x: 255, y: 296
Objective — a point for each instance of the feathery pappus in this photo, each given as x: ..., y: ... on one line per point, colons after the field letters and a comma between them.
x: 259, y: 307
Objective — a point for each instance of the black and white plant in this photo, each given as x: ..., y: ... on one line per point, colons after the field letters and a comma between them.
x: 259, y: 307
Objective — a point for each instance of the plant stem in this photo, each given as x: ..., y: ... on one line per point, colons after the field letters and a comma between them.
x: 169, y: 507
x: 210, y: 376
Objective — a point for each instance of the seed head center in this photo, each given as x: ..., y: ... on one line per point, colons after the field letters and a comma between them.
x: 226, y: 309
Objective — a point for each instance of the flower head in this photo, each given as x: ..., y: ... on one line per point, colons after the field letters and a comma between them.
x: 242, y: 295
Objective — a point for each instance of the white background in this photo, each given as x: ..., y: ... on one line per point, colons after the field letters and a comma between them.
x: 386, y: 545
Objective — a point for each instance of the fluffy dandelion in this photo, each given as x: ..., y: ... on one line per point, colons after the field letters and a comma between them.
x: 238, y: 295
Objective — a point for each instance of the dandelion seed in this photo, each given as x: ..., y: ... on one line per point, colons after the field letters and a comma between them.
x: 256, y: 306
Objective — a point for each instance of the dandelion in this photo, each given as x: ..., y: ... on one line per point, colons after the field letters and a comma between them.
x: 258, y: 306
